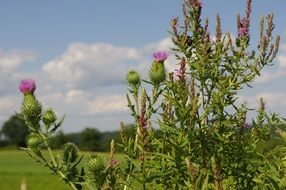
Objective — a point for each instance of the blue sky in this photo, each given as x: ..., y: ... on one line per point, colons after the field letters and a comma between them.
x: 79, y: 53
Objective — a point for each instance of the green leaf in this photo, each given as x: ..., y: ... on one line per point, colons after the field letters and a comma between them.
x: 206, y: 182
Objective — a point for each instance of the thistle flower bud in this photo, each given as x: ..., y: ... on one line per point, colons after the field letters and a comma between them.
x: 31, y: 109
x: 96, y: 164
x: 69, y: 153
x: 157, y: 73
x: 34, y: 142
x: 133, y: 78
x: 49, y: 117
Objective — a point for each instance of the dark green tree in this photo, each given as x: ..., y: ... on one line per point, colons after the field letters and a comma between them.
x: 90, y: 139
x: 14, y: 131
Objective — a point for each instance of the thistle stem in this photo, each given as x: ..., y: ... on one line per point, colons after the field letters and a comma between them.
x: 70, y: 183
x: 52, y: 156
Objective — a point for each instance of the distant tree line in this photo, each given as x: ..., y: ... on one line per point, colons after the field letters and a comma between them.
x: 14, y: 133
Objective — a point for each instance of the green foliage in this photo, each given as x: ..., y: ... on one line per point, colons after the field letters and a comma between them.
x: 204, y: 141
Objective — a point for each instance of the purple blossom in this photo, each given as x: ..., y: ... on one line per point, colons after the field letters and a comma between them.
x: 160, y: 56
x: 27, y: 86
x: 242, y: 32
x: 243, y: 29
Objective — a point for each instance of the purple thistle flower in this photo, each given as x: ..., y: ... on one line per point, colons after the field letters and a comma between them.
x: 27, y: 86
x: 160, y: 56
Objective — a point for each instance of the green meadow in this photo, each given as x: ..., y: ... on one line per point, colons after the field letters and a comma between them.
x: 16, y: 166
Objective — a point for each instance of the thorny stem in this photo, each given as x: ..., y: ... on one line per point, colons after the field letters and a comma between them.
x: 45, y: 137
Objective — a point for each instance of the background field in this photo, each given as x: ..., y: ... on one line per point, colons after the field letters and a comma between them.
x: 16, y: 165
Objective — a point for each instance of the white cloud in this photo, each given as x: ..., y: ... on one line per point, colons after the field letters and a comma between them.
x: 282, y: 60
x: 13, y: 59
x: 268, y: 76
x: 107, y: 104
x: 273, y: 99
x: 85, y: 103
x: 86, y: 65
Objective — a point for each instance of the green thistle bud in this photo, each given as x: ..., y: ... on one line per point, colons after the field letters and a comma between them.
x: 34, y: 142
x: 133, y: 78
x: 69, y: 153
x: 49, y: 117
x: 96, y: 164
x: 31, y: 109
x: 157, y: 73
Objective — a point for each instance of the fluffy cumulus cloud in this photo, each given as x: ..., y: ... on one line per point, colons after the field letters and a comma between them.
x: 89, y: 65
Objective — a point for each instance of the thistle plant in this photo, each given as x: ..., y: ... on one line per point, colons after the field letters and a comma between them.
x: 192, y: 130
x: 204, y: 140
x: 65, y: 163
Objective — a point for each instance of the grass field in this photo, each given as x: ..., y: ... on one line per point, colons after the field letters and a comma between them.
x: 16, y: 166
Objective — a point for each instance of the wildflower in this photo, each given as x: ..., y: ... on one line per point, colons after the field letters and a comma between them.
x: 160, y: 56
x: 27, y: 86
x: 243, y: 29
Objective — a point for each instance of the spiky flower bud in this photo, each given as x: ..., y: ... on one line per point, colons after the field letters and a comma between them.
x: 157, y: 73
x: 31, y: 109
x: 34, y: 142
x: 133, y: 78
x: 69, y: 153
x: 49, y: 117
x: 96, y: 164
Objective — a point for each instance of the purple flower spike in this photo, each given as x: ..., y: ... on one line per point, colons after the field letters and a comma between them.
x: 243, y: 30
x: 27, y: 86
x: 160, y: 56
